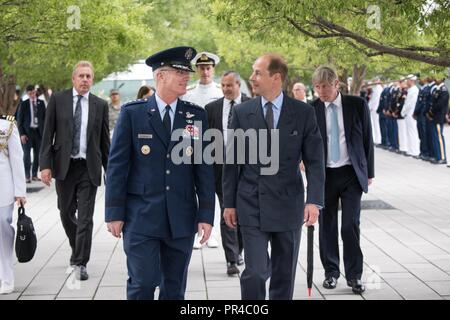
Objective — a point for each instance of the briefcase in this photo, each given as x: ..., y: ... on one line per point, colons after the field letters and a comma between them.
x: 26, y: 240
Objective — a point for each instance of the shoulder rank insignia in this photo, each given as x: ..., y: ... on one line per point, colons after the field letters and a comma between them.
x: 7, y: 117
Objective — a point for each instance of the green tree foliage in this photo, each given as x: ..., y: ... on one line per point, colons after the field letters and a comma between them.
x: 40, y: 41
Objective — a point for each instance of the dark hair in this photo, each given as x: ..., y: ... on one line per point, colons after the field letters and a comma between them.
x: 277, y: 65
x: 143, y: 91
x: 30, y: 87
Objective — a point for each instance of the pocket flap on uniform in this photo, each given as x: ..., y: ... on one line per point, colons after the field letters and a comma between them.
x: 136, y: 188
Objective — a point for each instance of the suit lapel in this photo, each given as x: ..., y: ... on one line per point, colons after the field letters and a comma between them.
x: 156, y: 121
x: 322, y: 122
x: 255, y: 116
x: 68, y: 108
x: 347, y: 115
x: 91, y: 115
x: 219, y: 116
x: 286, y: 115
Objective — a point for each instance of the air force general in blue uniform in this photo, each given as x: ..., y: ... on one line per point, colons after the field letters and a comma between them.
x: 154, y: 198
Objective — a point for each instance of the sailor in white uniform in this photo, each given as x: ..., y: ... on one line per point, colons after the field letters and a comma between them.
x: 12, y: 181
x: 204, y: 90
x: 201, y: 93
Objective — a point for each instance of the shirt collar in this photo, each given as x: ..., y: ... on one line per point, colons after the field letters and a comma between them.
x: 236, y: 101
x: 277, y: 102
x: 337, y: 102
x: 162, y: 105
x: 75, y: 93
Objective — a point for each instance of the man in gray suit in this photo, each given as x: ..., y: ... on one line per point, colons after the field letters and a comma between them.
x: 269, y: 207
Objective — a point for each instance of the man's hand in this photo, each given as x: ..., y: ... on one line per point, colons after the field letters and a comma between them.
x: 24, y: 139
x: 205, y: 230
x: 115, y: 227
x: 20, y: 201
x: 311, y: 214
x: 370, y: 181
x: 229, y: 216
x: 46, y: 176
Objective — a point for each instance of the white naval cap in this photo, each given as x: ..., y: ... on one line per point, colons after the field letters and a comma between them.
x: 205, y: 58
x: 411, y: 77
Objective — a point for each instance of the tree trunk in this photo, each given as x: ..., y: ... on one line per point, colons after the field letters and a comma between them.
x: 359, y: 73
x: 7, y: 91
x: 343, y: 81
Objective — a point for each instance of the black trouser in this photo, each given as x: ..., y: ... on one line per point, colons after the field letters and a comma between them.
x: 281, y: 266
x: 76, y: 193
x: 231, y: 238
x: 34, y: 142
x: 341, y: 184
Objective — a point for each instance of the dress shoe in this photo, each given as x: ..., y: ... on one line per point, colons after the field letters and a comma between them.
x: 240, y: 260
x: 330, y: 283
x: 35, y: 179
x: 28, y: 180
x: 232, y: 269
x: 356, y: 285
x: 6, y: 288
x: 434, y: 161
x: 212, y: 242
x: 81, y: 273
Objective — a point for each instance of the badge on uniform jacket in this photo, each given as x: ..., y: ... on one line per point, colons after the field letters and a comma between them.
x: 189, y: 151
x: 144, y: 136
x: 191, y: 131
x: 145, y: 149
x: 189, y: 115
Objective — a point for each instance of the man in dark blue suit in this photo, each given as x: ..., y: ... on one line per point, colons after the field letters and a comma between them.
x: 30, y: 120
x: 151, y: 197
x: 344, y: 123
x: 269, y: 206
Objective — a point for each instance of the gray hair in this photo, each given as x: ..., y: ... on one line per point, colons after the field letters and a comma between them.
x: 81, y: 64
x: 236, y: 75
x: 324, y: 74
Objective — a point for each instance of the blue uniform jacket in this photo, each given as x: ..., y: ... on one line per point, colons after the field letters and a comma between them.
x: 144, y: 188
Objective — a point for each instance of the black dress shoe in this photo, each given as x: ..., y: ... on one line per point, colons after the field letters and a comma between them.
x: 356, y: 285
x: 81, y: 273
x: 329, y: 283
x: 232, y: 269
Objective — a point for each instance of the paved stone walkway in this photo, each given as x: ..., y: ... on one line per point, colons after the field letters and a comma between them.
x: 406, y: 249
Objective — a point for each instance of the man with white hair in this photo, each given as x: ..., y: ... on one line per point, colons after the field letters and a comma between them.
x: 299, y: 92
x: 412, y: 135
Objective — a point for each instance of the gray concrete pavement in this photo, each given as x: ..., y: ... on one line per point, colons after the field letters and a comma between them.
x: 406, y: 249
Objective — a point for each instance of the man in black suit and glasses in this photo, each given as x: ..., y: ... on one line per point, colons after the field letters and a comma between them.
x: 219, y: 117
x: 344, y: 123
x: 269, y: 204
x: 75, y: 146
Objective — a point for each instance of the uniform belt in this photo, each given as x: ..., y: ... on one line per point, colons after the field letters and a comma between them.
x: 77, y: 159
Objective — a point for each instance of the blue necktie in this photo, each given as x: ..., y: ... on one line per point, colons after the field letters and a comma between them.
x: 167, y: 122
x: 76, y: 128
x: 335, y: 153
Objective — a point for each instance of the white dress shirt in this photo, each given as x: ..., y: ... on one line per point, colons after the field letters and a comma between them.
x: 226, y: 112
x: 33, y: 119
x: 84, y: 122
x: 162, y: 108
x: 344, y: 158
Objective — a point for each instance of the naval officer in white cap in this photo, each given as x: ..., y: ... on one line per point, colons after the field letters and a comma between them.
x: 205, y: 90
